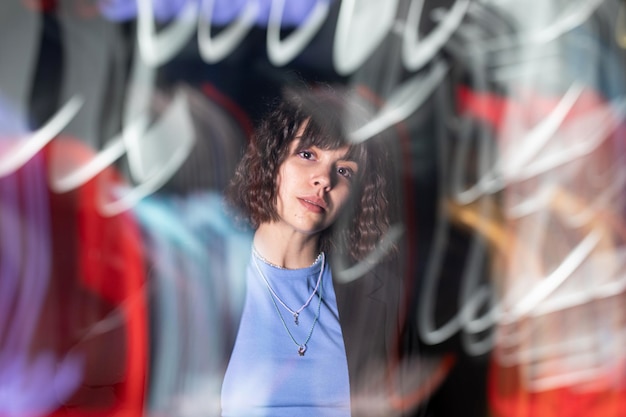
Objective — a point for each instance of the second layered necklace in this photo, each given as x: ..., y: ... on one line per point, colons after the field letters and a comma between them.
x: 302, y: 347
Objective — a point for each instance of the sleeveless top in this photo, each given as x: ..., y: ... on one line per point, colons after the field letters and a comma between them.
x: 266, y: 375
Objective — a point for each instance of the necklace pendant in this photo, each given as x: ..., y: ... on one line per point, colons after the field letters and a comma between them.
x: 295, y: 318
x: 301, y: 350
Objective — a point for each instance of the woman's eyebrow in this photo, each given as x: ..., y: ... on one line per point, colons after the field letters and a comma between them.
x: 350, y: 159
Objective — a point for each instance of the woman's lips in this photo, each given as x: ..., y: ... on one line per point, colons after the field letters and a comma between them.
x: 313, y: 204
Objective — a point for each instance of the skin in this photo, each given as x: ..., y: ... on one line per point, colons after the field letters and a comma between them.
x: 314, y: 186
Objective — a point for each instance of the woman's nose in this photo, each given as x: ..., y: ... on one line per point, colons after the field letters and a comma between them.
x: 322, y: 178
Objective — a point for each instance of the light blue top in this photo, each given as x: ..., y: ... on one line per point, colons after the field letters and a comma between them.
x: 266, y: 376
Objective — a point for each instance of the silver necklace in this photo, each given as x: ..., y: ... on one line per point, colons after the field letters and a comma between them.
x: 301, y: 346
x: 319, y: 256
x: 294, y: 313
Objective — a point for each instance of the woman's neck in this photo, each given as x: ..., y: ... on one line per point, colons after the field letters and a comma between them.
x: 286, y: 250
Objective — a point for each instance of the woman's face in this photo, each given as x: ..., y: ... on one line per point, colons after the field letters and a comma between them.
x: 314, y: 186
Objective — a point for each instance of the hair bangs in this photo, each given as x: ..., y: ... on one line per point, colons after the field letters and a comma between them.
x: 331, y: 134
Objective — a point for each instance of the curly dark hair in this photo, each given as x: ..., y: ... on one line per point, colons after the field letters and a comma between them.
x: 328, y: 115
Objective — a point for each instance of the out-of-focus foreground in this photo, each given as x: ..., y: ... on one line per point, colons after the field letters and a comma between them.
x: 121, y: 122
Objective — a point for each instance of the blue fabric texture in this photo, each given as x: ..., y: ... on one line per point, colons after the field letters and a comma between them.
x: 266, y: 376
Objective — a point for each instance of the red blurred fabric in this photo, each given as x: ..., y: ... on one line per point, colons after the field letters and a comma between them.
x: 99, y: 286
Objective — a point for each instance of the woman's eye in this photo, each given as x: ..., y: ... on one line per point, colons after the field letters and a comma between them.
x: 305, y: 154
x: 345, y: 172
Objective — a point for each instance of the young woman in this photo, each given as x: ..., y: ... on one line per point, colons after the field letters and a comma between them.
x: 308, y: 343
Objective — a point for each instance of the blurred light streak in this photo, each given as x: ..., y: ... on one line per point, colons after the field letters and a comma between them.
x: 281, y: 52
x: 526, y: 157
x: 584, y: 131
x: 429, y: 332
x: 87, y: 58
x: 582, y: 275
x: 541, y: 138
x: 155, y: 155
x: 194, y: 247
x: 31, y: 383
x: 418, y: 52
x: 139, y: 96
x: 402, y: 102
x: 159, y: 48
x: 572, y: 17
x: 548, y: 196
x: 355, y: 39
x: 548, y: 284
x: 22, y: 150
x: 476, y: 297
x: 104, y: 309
x: 532, y: 142
x: 171, y: 134
x: 348, y: 274
x: 361, y: 27
x: 34, y: 275
x: 222, y: 12
x: 156, y: 49
x: 213, y: 49
x: 64, y: 177
x: 228, y: 104
x: 588, y: 358
x: 577, y: 13
x: 121, y: 10
x: 510, y: 339
x: 480, y: 220
x: 479, y: 308
x: 592, y: 128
